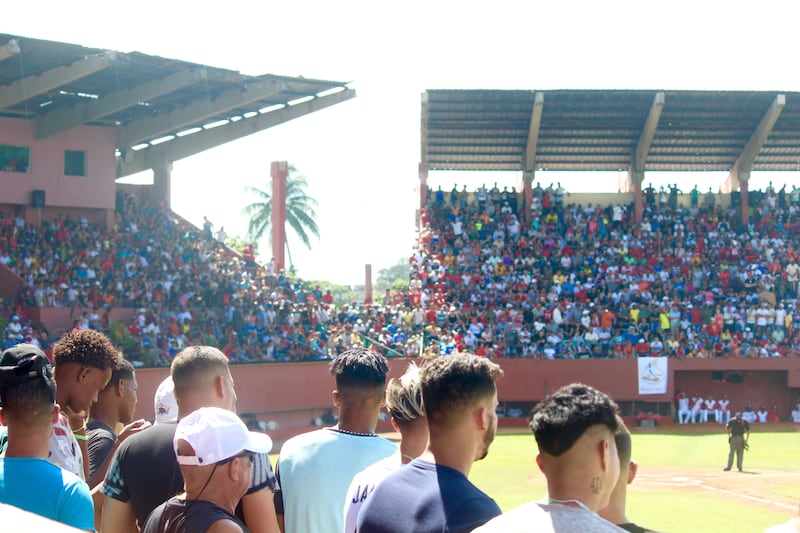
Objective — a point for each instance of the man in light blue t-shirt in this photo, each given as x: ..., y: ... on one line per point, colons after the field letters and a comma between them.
x: 315, y: 469
x: 27, y: 479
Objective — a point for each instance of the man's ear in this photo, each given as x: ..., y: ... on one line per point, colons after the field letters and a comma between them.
x: 337, y: 398
x: 481, y: 417
x: 83, y: 373
x: 219, y: 386
x: 633, y: 469
x: 604, y: 449
x: 2, y: 418
x: 539, y: 462
x: 120, y: 388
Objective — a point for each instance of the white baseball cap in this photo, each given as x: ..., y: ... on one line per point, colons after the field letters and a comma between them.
x: 164, y: 403
x: 216, y: 434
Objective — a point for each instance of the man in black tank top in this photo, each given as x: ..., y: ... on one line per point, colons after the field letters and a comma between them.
x: 215, y: 452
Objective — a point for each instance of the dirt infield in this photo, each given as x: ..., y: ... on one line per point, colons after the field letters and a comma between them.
x: 751, y: 487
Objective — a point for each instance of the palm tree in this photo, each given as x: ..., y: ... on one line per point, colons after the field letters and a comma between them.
x: 300, y: 213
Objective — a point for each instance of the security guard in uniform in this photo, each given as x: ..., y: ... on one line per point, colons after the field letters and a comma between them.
x: 738, y: 435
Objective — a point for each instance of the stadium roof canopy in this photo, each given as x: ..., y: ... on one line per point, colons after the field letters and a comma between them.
x: 183, y: 108
x: 610, y: 130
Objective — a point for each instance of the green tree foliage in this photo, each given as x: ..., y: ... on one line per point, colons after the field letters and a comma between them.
x: 342, y: 294
x: 393, y: 277
x: 300, y: 209
x: 237, y: 243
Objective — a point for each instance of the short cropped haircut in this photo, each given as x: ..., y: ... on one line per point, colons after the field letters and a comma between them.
x: 359, y: 368
x: 564, y: 416
x: 622, y: 438
x: 28, y: 403
x: 404, y: 396
x: 86, y: 347
x: 124, y: 370
x: 452, y: 383
x: 195, y: 362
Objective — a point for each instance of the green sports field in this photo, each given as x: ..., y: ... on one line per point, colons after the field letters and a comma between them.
x: 680, y: 487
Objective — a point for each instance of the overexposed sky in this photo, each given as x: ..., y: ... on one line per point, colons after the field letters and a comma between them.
x: 362, y: 156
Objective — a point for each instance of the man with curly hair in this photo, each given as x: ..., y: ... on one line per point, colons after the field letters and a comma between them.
x: 432, y: 492
x: 84, y: 361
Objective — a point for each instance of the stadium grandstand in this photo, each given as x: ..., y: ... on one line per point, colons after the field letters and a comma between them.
x: 702, y: 287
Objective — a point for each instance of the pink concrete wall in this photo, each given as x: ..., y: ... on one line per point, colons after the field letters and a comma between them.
x: 95, y: 190
x: 10, y: 284
x: 285, y: 387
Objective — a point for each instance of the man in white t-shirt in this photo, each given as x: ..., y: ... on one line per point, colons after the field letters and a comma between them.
x: 575, y: 431
x: 796, y: 414
x: 723, y: 415
x: 684, y: 414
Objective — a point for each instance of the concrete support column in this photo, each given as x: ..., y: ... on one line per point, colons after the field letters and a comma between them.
x: 111, y: 218
x: 367, y: 284
x: 527, y: 195
x: 636, y: 178
x: 162, y: 178
x: 423, y: 185
x: 744, y: 187
x: 279, y: 171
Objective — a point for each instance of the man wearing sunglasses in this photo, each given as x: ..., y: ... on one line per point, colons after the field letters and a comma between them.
x: 215, y: 453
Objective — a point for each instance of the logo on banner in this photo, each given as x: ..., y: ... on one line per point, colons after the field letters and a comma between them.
x: 653, y: 375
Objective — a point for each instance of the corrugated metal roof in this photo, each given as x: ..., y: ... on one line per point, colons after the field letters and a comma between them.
x: 128, y: 70
x: 600, y: 130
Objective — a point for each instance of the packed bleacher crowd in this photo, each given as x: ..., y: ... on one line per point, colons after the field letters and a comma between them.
x: 186, y: 287
x: 587, y: 281
x: 578, y: 281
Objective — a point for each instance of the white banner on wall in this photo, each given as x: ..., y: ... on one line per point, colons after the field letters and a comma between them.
x: 653, y: 375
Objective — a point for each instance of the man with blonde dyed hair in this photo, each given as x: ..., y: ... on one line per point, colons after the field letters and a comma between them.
x: 432, y: 491
x: 574, y: 429
x: 404, y: 404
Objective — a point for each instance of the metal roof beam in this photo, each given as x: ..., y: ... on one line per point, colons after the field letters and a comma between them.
x: 648, y: 132
x: 20, y: 90
x: 744, y: 163
x: 64, y: 119
x: 193, y: 114
x: 10, y: 49
x: 533, y: 132
x: 183, y: 147
x: 759, y: 136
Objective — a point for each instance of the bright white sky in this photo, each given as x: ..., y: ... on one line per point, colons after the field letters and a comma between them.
x: 361, y: 156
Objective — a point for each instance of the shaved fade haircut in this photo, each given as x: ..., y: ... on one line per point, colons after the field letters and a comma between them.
x: 452, y: 383
x: 622, y: 437
x: 124, y: 370
x: 29, y: 403
x: 196, y: 363
x: 564, y: 416
x: 359, y: 369
x: 404, y: 396
x: 86, y: 347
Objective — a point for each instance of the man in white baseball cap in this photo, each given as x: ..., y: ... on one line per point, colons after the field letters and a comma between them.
x: 215, y: 451
x: 164, y: 403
